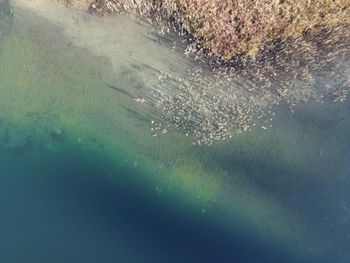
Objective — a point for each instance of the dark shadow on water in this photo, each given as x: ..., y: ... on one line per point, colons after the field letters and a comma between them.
x: 66, y: 209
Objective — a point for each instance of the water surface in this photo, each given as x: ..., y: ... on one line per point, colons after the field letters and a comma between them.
x: 83, y: 177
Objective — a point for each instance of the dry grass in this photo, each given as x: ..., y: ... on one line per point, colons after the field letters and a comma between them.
x: 227, y: 27
x: 231, y: 27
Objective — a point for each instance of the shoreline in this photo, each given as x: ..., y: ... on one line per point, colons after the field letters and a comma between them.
x: 211, y: 100
x: 226, y: 30
x: 326, y: 35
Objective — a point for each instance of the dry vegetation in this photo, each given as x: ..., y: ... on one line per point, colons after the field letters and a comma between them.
x: 264, y: 53
x: 227, y: 27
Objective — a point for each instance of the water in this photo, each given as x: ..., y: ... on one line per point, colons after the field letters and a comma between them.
x: 84, y: 178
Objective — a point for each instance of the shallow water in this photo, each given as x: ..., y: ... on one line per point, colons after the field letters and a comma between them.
x: 83, y: 178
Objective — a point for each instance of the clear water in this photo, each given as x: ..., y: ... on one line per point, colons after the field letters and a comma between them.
x: 84, y: 179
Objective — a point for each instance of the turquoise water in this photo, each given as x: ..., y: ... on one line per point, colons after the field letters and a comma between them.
x: 84, y: 179
x: 65, y: 208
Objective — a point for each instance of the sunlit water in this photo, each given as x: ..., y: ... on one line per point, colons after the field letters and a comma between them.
x: 85, y: 176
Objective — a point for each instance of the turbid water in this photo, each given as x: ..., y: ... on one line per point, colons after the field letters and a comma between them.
x: 85, y: 176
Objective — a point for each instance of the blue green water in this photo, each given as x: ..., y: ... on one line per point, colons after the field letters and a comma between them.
x: 82, y: 179
x: 66, y: 209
